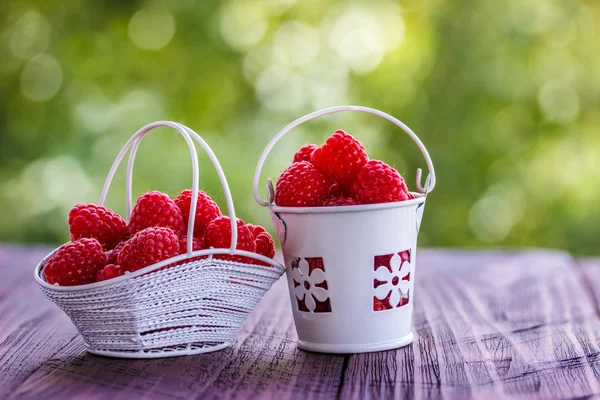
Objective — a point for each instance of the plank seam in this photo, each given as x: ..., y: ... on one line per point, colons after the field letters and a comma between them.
x: 343, y: 375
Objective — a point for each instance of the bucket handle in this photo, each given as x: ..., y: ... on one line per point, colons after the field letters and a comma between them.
x: 429, y: 182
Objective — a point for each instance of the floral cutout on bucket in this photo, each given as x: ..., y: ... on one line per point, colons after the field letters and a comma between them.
x: 310, y: 286
x: 392, y: 280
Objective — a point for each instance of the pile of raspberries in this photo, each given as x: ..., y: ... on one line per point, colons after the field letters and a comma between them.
x: 339, y: 173
x: 103, y: 246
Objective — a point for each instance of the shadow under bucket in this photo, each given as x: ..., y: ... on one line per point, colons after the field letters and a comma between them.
x: 350, y: 269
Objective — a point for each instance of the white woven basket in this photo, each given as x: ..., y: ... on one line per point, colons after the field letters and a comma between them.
x: 195, y: 307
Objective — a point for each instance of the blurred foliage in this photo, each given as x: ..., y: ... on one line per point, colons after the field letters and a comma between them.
x: 505, y: 95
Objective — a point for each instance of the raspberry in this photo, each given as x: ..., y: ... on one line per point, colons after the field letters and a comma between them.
x: 256, y: 229
x: 112, y: 256
x: 381, y: 305
x: 305, y: 152
x: 197, y: 245
x: 301, y: 185
x: 109, y: 272
x: 155, y: 209
x: 148, y: 247
x: 206, y: 210
x: 98, y: 222
x: 264, y: 246
x: 405, y: 255
x: 377, y: 182
x: 340, y: 201
x: 411, y: 196
x: 337, y: 190
x: 342, y: 157
x: 75, y: 263
x: 218, y: 235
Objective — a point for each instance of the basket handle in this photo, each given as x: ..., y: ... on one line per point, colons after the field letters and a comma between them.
x: 429, y: 182
x: 133, y: 144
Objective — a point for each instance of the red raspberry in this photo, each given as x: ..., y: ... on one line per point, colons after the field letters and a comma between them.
x: 109, y: 272
x: 301, y: 185
x: 218, y: 235
x: 342, y: 156
x: 337, y: 190
x: 98, y: 222
x: 377, y: 182
x: 411, y: 196
x: 256, y: 229
x: 340, y: 201
x: 155, y: 209
x: 405, y: 255
x: 380, y: 305
x: 75, y: 263
x: 197, y: 245
x: 206, y: 211
x: 305, y: 152
x: 112, y: 256
x: 148, y: 247
x: 264, y: 246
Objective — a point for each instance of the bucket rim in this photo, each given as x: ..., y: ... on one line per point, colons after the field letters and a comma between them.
x: 419, y: 199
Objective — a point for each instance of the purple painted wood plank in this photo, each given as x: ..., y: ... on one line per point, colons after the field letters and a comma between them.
x: 590, y: 277
x: 488, y: 324
x: 32, y: 329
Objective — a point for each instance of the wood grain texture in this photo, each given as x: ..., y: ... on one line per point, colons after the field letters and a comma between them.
x: 590, y: 276
x: 488, y: 324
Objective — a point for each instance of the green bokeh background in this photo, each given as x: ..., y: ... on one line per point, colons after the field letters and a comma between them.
x: 505, y: 95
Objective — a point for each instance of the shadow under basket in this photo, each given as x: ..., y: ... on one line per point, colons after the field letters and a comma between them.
x: 192, y: 308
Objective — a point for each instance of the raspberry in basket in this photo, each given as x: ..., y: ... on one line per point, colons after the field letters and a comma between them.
x: 108, y: 272
x: 148, y: 247
x: 156, y: 209
x: 255, y: 229
x: 197, y: 245
x: 304, y: 153
x: 377, y: 182
x: 98, y: 222
x: 113, y: 255
x: 340, y: 201
x: 264, y: 246
x: 75, y: 263
x: 218, y: 235
x: 206, y: 210
x: 341, y: 157
x: 301, y: 185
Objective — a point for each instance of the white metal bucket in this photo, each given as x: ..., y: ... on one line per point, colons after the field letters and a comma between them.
x: 350, y: 269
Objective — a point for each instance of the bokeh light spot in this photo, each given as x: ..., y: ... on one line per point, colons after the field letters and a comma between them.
x: 243, y: 25
x: 65, y: 182
x: 151, y: 28
x: 297, y: 43
x: 29, y: 35
x: 41, y: 78
x: 491, y: 218
x: 361, y: 50
x: 559, y: 101
x: 362, y: 36
x: 256, y: 61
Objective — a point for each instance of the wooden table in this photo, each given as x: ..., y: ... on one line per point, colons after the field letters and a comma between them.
x: 488, y: 324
